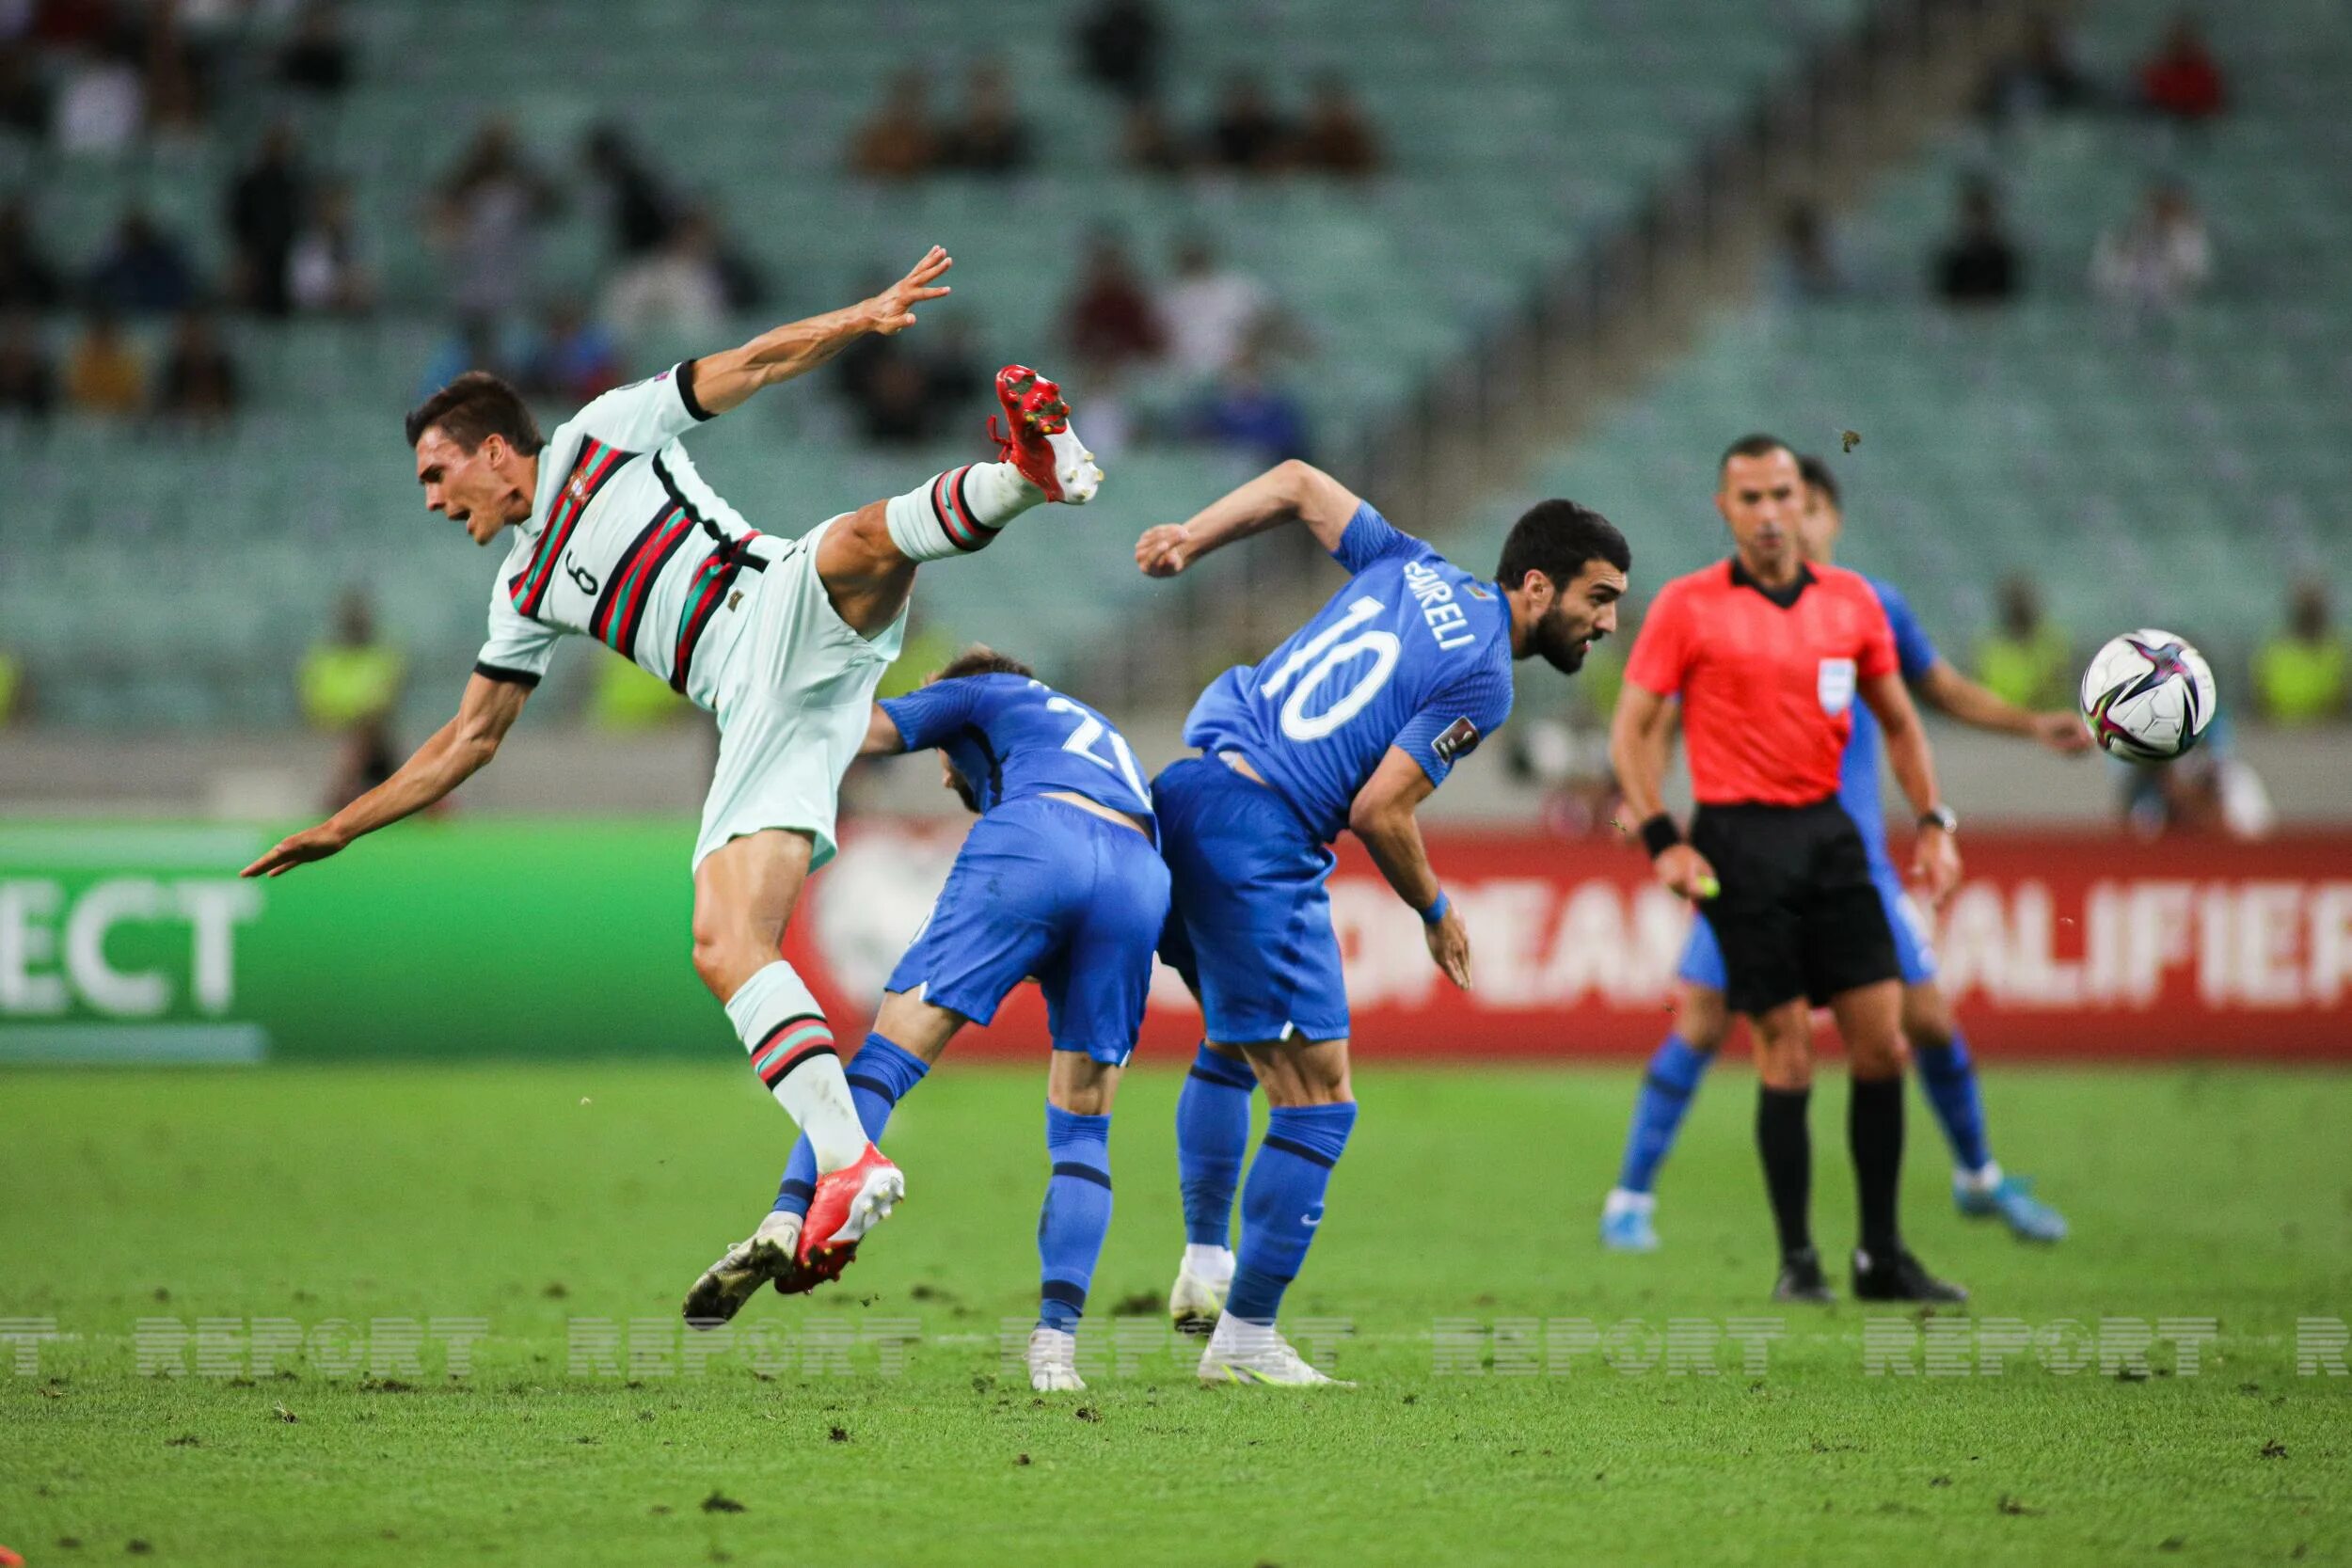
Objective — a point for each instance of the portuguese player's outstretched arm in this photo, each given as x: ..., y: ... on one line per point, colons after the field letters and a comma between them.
x: 1290, y: 492
x: 722, y: 381
x: 1947, y: 690
x: 458, y: 751
x: 1382, y: 817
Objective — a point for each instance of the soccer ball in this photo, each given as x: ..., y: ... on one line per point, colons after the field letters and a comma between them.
x: 2148, y: 696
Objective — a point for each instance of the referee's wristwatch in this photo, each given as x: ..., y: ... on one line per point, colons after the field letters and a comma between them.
x: 1940, y: 816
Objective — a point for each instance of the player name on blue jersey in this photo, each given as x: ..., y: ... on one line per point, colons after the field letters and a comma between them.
x: 1413, y: 654
x: 1012, y: 737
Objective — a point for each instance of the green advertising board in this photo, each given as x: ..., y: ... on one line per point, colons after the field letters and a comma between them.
x: 136, y: 942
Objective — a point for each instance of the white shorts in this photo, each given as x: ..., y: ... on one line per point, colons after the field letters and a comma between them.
x: 793, y: 701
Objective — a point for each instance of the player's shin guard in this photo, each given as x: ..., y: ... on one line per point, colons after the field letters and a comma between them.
x: 1948, y: 1076
x: 1786, y: 1143
x: 879, y: 1077
x: 1212, y: 1136
x: 1672, y: 1078
x: 1076, y: 1216
x: 1874, y: 1133
x: 782, y: 1026
x: 1283, y: 1203
x: 958, y: 512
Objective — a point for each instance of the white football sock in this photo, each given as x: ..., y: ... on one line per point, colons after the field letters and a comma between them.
x: 1981, y: 1181
x: 1211, y: 1265
x: 778, y: 1020
x: 1621, y: 1201
x: 958, y: 512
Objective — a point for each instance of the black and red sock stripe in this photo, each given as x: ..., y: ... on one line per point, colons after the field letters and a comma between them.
x: 790, y: 1044
x: 954, y: 514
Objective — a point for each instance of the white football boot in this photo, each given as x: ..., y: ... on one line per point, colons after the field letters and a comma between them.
x: 1197, y: 1297
x: 1250, y: 1352
x: 743, y: 1269
x: 1054, y: 1362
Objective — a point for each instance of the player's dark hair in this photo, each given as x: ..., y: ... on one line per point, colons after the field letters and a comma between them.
x: 473, y: 407
x: 1753, y: 446
x: 1815, y: 469
x: 981, y: 659
x: 1557, y: 538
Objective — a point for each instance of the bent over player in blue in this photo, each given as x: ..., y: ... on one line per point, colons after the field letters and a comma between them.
x: 1060, y: 880
x: 1980, y: 1188
x: 1349, y: 724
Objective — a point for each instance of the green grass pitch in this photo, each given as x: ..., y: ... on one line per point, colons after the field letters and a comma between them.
x: 538, y: 1197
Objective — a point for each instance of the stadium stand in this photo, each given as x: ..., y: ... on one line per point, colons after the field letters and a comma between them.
x: 2165, y: 467
x: 227, y: 550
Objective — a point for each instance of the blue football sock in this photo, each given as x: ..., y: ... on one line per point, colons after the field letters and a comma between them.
x: 1283, y: 1203
x: 1949, y: 1078
x: 879, y: 1075
x: 1212, y: 1136
x: 1672, y: 1078
x: 1076, y: 1216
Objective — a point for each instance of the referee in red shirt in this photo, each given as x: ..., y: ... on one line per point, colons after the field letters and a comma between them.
x: 1768, y: 655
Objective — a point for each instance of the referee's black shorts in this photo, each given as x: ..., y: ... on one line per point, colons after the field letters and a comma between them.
x: 1798, y: 916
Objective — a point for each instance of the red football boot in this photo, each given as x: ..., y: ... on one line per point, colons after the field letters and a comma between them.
x: 1038, y: 439
x: 848, y: 1202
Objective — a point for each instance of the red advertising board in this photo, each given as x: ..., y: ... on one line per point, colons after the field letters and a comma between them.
x: 2056, y: 946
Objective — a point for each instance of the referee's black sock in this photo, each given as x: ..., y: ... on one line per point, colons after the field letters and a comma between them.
x: 1874, y: 1131
x: 1783, y: 1139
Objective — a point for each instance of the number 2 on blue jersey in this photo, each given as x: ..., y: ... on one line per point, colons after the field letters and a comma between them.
x: 1091, y: 730
x: 1327, y: 651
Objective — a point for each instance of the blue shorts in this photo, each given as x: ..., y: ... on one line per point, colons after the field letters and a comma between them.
x: 1044, y: 889
x: 1702, y: 958
x: 1250, y: 931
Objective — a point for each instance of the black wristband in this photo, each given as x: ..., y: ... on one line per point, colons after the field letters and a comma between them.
x: 1659, y: 835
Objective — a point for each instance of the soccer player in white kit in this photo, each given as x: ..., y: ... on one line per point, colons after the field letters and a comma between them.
x: 617, y: 538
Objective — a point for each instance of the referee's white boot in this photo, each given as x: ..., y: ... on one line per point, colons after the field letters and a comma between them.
x: 1038, y: 439
x: 1254, y: 1354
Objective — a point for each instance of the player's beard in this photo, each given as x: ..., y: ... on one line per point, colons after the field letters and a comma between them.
x: 1560, y: 643
x: 963, y: 793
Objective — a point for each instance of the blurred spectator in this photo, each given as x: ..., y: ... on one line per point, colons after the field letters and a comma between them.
x: 1337, y: 137
x: 1111, y: 318
x: 1806, y: 268
x: 317, y: 59
x: 27, y: 281
x: 2159, y: 258
x: 350, y: 685
x: 2211, y: 790
x: 899, y: 141
x: 24, y: 107
x: 102, y: 372
x: 101, y: 103
x: 475, y: 342
x: 327, y: 271
x: 741, y: 278
x: 175, y: 100
x: 675, y: 292
x: 28, y: 382
x: 144, y: 269
x: 1210, y: 313
x: 199, y: 380
x: 1146, y: 144
x: 1119, y: 47
x: 989, y: 137
x: 2042, y: 77
x: 1250, y: 413
x: 575, y: 359
x: 1978, y: 265
x: 486, y: 211
x: 266, y: 205
x: 639, y: 210
x: 2027, y: 661
x: 2182, y: 79
x: 2300, y: 675
x: 900, y: 394
x: 1247, y: 135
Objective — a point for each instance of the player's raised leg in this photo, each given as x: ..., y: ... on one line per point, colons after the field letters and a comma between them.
x: 868, y: 558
